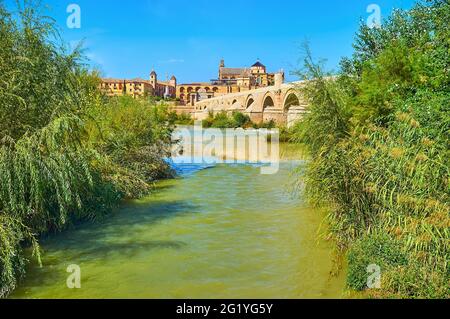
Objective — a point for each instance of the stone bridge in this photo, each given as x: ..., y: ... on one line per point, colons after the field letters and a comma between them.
x: 281, y: 103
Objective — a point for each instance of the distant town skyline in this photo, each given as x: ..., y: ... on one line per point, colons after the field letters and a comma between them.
x: 189, y: 40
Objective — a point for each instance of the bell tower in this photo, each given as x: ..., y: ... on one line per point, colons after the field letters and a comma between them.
x: 221, y: 66
x: 153, y: 79
x: 173, y: 81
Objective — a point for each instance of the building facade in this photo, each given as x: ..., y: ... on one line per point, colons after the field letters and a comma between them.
x: 140, y: 87
x: 230, y: 80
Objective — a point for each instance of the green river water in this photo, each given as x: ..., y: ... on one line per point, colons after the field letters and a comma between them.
x: 222, y: 232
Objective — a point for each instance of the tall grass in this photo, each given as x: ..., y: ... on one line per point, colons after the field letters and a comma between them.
x: 378, y: 135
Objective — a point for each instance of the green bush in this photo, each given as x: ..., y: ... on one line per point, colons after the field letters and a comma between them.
x: 377, y: 133
x: 67, y: 153
x: 181, y: 119
x: 267, y: 125
x: 12, y: 264
x: 223, y: 120
x: 133, y: 139
x: 241, y: 120
x: 44, y: 170
x: 377, y: 250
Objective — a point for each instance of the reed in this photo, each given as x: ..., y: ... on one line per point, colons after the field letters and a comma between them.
x: 378, y: 137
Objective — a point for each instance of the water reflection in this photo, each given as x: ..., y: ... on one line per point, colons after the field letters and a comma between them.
x: 198, y: 148
x: 223, y: 232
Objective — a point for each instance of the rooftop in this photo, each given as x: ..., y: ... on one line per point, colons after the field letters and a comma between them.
x: 196, y: 84
x: 258, y: 64
x: 136, y: 80
x: 233, y: 71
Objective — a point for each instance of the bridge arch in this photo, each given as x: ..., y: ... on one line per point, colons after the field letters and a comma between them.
x: 268, y: 101
x: 238, y: 105
x: 291, y: 98
x: 249, y: 101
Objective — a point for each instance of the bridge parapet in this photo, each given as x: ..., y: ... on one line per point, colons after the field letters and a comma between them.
x: 280, y: 103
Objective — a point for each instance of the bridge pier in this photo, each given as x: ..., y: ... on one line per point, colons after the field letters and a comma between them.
x: 256, y: 117
x: 294, y: 114
x: 276, y: 115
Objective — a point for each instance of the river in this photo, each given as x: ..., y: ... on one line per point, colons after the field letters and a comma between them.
x: 223, y: 232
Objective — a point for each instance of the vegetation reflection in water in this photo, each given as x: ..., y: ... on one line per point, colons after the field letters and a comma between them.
x: 223, y: 232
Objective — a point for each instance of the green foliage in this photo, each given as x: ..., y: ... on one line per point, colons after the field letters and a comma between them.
x: 241, y: 120
x: 37, y: 79
x: 133, y: 138
x: 378, y: 136
x: 11, y: 263
x: 234, y: 120
x: 42, y: 173
x: 181, y: 119
x: 67, y: 153
x: 267, y: 125
x: 219, y: 120
x: 377, y: 250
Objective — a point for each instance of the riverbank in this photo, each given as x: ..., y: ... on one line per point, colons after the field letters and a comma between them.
x: 378, y: 135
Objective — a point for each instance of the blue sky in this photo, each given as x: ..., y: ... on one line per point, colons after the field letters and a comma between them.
x: 127, y: 38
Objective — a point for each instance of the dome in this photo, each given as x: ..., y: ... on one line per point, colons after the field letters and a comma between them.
x: 258, y: 65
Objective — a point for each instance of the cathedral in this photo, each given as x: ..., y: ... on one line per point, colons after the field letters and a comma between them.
x: 230, y: 80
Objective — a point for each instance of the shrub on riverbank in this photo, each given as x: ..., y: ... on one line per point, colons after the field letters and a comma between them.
x: 378, y: 135
x: 133, y: 138
x: 234, y: 120
x: 67, y: 153
x: 180, y: 119
x: 237, y: 119
x: 223, y: 120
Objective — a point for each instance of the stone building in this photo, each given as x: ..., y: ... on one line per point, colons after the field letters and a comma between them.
x: 139, y: 87
x: 230, y: 80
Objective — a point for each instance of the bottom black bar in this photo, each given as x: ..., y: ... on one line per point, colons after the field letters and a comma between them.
x: 224, y: 308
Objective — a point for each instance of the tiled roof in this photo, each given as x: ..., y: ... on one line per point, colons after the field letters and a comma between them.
x: 137, y: 80
x: 232, y: 71
x: 140, y: 80
x: 113, y: 80
x: 197, y: 84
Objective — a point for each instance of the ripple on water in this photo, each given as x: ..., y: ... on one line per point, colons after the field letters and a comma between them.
x: 224, y: 232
